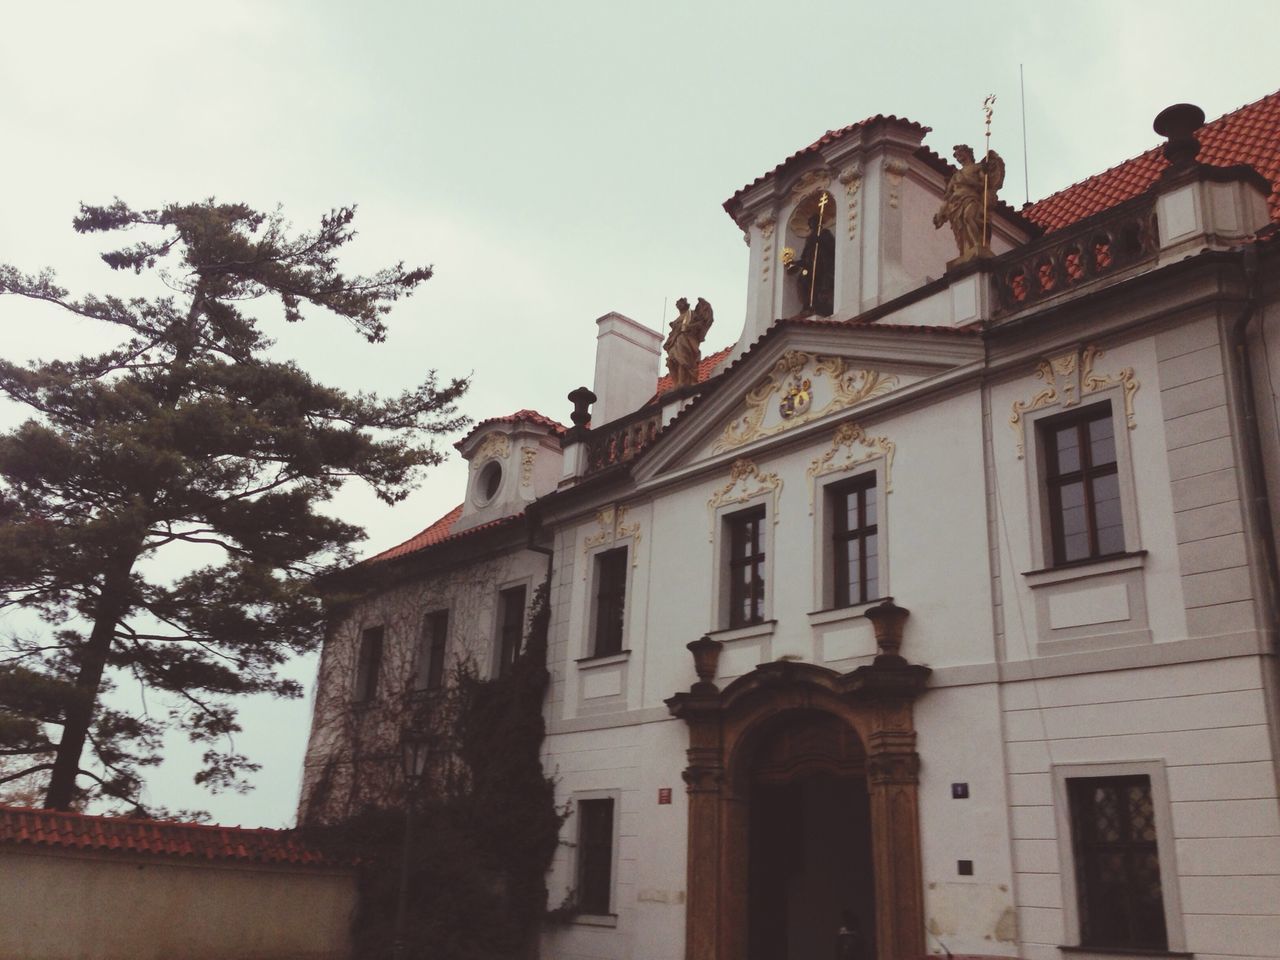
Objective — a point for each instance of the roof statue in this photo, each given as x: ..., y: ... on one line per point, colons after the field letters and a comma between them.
x: 684, y: 342
x: 968, y: 201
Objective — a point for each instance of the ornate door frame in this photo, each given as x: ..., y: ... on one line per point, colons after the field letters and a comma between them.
x: 876, y: 702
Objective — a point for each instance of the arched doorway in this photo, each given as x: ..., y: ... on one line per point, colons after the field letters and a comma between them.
x: 729, y: 729
x: 809, y: 835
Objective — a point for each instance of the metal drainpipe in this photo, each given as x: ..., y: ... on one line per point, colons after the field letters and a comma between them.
x: 1259, y: 499
x: 1255, y: 466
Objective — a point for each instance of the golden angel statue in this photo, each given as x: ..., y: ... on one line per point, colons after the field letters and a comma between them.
x: 969, y: 199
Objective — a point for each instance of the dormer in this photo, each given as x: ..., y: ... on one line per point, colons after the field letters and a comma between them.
x: 870, y: 191
x: 513, y: 461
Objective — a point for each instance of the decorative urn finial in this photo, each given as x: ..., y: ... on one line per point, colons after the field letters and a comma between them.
x: 1179, y: 124
x: 706, y: 658
x: 582, y: 398
x: 887, y: 618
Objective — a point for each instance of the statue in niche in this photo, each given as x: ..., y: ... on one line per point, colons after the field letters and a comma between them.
x: 968, y: 201
x: 815, y: 268
x: 684, y: 342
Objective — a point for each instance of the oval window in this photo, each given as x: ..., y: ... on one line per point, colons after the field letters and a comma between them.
x: 489, y: 481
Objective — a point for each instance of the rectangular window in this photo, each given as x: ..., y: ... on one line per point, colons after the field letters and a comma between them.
x: 595, y: 856
x: 368, y: 664
x: 435, y: 632
x: 1083, y: 485
x: 510, y: 627
x: 1117, y: 863
x: 611, y: 597
x: 746, y: 567
x: 855, y: 550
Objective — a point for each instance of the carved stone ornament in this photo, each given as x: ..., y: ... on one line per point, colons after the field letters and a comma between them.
x: 851, y: 177
x: 612, y: 526
x: 493, y: 446
x: 527, y: 456
x: 746, y: 482
x: 811, y: 180
x: 1068, y: 377
x: 894, y: 169
x: 831, y: 386
x: 851, y: 447
x: 766, y: 224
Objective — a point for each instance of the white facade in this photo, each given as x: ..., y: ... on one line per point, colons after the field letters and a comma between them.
x: 1152, y: 659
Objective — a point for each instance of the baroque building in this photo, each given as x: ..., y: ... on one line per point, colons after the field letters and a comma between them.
x: 939, y: 612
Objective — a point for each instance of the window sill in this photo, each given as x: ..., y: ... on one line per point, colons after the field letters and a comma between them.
x: 1083, y: 569
x: 764, y: 628
x: 604, y: 660
x: 1106, y: 953
x: 596, y: 920
x: 839, y: 614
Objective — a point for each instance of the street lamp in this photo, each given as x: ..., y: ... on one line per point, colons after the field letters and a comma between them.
x: 413, y: 761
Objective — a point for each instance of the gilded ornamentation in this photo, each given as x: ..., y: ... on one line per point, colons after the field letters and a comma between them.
x: 895, y: 170
x: 495, y: 445
x: 746, y: 482
x: 527, y: 456
x: 968, y: 201
x: 850, y: 447
x: 810, y: 181
x: 848, y: 387
x: 851, y: 177
x: 1067, y: 378
x: 612, y: 527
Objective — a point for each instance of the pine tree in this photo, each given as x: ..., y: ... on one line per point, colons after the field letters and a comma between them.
x: 188, y: 432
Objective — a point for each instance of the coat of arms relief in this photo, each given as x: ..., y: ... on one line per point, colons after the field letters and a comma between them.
x: 800, y: 388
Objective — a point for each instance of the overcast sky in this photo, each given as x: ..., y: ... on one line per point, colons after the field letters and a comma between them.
x: 554, y: 161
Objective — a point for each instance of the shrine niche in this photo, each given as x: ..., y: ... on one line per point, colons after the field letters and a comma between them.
x: 809, y: 258
x: 782, y: 723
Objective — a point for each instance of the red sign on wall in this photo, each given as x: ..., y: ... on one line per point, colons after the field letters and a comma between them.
x: 664, y: 795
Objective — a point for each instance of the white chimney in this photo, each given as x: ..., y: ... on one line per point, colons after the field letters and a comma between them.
x: 626, y: 367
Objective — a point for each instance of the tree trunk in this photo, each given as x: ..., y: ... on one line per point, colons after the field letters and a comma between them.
x: 79, y: 712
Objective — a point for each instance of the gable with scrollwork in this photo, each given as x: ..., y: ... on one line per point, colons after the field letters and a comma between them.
x: 801, y: 388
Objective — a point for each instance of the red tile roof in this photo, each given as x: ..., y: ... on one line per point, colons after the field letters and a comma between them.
x: 170, y: 838
x: 520, y: 416
x: 438, y: 532
x: 705, y: 366
x: 1250, y: 135
x: 831, y: 136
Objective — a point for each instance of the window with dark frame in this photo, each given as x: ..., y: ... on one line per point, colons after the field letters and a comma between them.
x: 510, y: 627
x: 746, y: 567
x: 1083, y: 485
x: 611, y: 599
x: 1117, y: 863
x: 595, y: 856
x: 855, y: 541
x: 368, y: 665
x: 435, y: 633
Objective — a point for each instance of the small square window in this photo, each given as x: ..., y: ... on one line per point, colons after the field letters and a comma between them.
x: 1082, y: 485
x: 855, y: 552
x: 746, y: 566
x: 595, y: 856
x: 510, y: 627
x: 610, y: 601
x: 368, y: 665
x: 1119, y: 895
x: 431, y: 652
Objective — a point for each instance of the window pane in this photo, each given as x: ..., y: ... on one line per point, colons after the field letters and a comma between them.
x: 873, y: 570
x: 595, y: 856
x: 1102, y: 442
x: 1067, y: 442
x: 1106, y: 499
x: 870, y: 514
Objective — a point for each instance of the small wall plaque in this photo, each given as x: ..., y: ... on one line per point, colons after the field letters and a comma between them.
x: 664, y: 795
